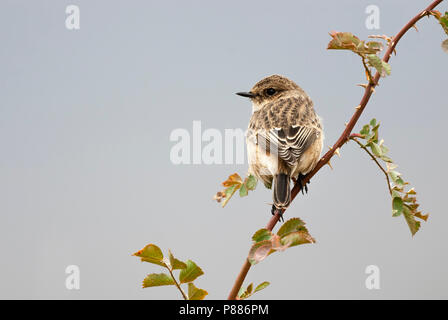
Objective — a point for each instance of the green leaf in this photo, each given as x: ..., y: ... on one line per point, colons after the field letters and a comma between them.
x: 251, y: 182
x: 243, y: 190
x: 292, y: 225
x: 348, y: 41
x: 190, y: 273
x: 444, y: 22
x: 244, y: 294
x: 376, y: 150
x: 259, y: 251
x: 413, y: 224
x: 397, y: 206
x: 261, y: 235
x: 250, y: 287
x: 296, y: 238
x: 196, y: 293
x: 261, y: 286
x: 152, y: 254
x: 373, y: 122
x: 157, y: 279
x: 365, y: 130
x: 382, y: 67
x: 175, y: 263
x: 229, y: 193
x: 394, y: 175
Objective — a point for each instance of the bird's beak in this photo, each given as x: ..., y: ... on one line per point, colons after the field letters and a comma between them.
x: 246, y: 94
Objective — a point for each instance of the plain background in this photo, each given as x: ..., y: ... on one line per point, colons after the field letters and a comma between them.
x: 85, y: 170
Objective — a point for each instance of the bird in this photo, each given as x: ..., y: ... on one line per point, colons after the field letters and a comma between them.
x: 284, y: 137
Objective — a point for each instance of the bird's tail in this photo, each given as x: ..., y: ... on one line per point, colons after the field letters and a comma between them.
x: 282, y: 191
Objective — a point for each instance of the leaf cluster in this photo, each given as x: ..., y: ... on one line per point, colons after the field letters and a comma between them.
x: 189, y: 272
x: 234, y: 183
x: 249, y: 291
x: 292, y: 233
x: 404, y: 201
x: 367, y: 50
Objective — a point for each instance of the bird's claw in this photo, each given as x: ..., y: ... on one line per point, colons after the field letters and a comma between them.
x: 274, y: 211
x: 303, y: 186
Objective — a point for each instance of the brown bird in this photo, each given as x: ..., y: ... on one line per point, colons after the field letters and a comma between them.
x: 284, y: 138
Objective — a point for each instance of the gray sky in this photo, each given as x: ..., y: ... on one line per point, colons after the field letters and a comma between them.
x: 86, y: 177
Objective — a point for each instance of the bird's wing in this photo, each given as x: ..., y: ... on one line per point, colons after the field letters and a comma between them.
x: 288, y: 143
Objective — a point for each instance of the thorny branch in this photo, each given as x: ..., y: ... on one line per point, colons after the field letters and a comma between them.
x: 345, y: 136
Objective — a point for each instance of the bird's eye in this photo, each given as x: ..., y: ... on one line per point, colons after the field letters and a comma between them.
x: 270, y: 91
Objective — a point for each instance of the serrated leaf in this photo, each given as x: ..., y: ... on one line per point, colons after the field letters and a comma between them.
x: 375, y: 130
x: 229, y: 192
x: 233, y: 179
x: 348, y: 41
x: 365, y: 130
x: 397, y: 206
x: 444, y: 22
x: 413, y: 224
x: 152, y: 254
x: 395, y: 176
x: 382, y: 67
x: 292, y: 225
x: 190, y: 273
x: 251, y: 182
x: 297, y: 238
x: 261, y: 235
x: 175, y: 263
x: 376, y: 150
x: 243, y: 190
x: 259, y: 251
x: 158, y: 279
x: 195, y: 293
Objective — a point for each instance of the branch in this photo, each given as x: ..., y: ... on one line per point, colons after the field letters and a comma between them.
x: 352, y: 137
x: 176, y: 283
x: 345, y: 136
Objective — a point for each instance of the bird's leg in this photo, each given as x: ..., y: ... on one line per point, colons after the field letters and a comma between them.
x: 303, y: 186
x: 274, y: 210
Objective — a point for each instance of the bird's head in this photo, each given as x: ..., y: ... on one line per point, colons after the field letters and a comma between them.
x: 270, y: 89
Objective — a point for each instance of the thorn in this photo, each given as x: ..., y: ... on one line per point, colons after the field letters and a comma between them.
x: 337, y: 152
x: 358, y: 107
x: 346, y: 124
x: 364, y: 85
x: 415, y: 27
x: 372, y: 89
x: 329, y: 164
